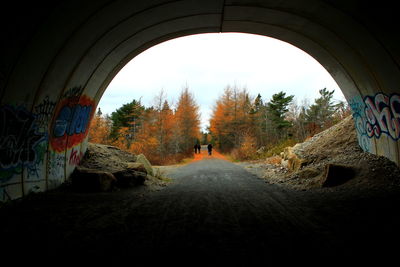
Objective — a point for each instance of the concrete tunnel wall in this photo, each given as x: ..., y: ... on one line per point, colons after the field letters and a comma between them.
x: 59, y: 59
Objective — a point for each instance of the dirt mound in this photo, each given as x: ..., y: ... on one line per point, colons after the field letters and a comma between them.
x: 330, y: 145
x: 114, y: 160
x: 323, y: 155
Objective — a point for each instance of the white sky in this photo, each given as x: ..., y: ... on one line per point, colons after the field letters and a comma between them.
x: 207, y: 63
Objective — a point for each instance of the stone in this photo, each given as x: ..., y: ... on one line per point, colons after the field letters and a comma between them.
x: 129, y: 178
x: 294, y: 162
x: 142, y: 159
x: 335, y: 174
x: 261, y: 150
x: 136, y: 166
x: 90, y: 180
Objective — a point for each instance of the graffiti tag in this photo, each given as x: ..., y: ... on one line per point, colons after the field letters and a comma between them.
x: 56, y: 164
x: 19, y: 141
x: 75, y: 157
x: 382, y: 114
x: 71, y: 122
x: 43, y: 112
x: 357, y: 106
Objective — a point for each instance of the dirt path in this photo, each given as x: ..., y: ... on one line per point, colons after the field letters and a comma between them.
x: 204, y: 154
x: 213, y: 213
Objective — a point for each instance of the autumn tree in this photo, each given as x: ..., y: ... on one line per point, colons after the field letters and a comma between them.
x: 164, y: 122
x: 187, y: 118
x: 146, y: 141
x: 222, y: 120
x: 100, y: 127
x: 230, y: 119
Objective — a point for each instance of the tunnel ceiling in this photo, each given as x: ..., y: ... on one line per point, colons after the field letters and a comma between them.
x: 60, y: 57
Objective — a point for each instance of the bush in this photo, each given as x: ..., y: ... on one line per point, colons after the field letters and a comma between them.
x: 247, y: 149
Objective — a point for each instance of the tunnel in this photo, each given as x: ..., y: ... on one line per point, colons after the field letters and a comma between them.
x: 58, y: 58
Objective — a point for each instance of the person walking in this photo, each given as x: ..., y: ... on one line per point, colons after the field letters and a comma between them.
x: 195, y: 148
x: 198, y: 148
x: 209, y: 147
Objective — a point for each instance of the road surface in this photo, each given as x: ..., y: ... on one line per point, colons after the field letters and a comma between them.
x: 213, y: 213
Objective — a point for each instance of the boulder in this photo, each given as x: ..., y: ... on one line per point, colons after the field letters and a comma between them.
x: 90, y: 180
x: 136, y: 166
x: 129, y: 178
x: 335, y: 175
x: 142, y: 159
x: 294, y: 162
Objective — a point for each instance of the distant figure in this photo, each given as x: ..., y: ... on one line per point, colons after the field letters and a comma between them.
x: 195, y: 148
x: 198, y: 148
x: 209, y: 147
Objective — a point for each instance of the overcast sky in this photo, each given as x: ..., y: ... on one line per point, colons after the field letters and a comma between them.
x: 207, y: 63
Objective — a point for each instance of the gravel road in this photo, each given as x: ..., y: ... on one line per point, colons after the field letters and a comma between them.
x: 213, y: 213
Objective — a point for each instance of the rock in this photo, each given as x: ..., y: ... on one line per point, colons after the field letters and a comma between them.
x: 294, y: 163
x: 136, y: 166
x: 337, y: 174
x: 129, y: 178
x: 106, y: 158
x: 90, y: 180
x: 285, y: 163
x: 142, y: 159
x: 261, y: 150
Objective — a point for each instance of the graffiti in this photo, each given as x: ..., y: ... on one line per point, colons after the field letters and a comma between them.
x: 73, y: 92
x: 376, y: 115
x: 383, y: 115
x: 75, y: 157
x: 43, y: 113
x: 56, y: 164
x: 71, y: 123
x: 19, y: 142
x: 357, y: 106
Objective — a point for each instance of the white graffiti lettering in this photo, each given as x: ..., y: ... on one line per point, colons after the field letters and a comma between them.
x: 382, y: 115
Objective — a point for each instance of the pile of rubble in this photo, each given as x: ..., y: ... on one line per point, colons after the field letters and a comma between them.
x: 105, y: 168
x: 330, y: 159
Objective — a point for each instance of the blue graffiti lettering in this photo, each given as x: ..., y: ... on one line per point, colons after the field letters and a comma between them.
x: 72, y: 120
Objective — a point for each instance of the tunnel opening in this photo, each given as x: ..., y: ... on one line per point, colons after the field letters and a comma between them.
x: 55, y: 71
x: 79, y: 62
x: 243, y: 70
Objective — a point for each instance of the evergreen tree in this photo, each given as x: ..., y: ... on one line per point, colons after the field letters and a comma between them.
x: 127, y: 116
x: 319, y: 115
x: 276, y: 111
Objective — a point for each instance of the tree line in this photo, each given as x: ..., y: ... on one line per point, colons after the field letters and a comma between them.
x: 162, y: 133
x: 240, y: 124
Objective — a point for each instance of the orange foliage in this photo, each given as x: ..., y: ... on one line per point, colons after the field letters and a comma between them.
x: 162, y: 135
x: 230, y: 119
x: 187, y: 120
x: 99, y: 130
x: 247, y: 149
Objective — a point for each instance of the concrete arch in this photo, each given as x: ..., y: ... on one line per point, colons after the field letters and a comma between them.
x: 59, y: 59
